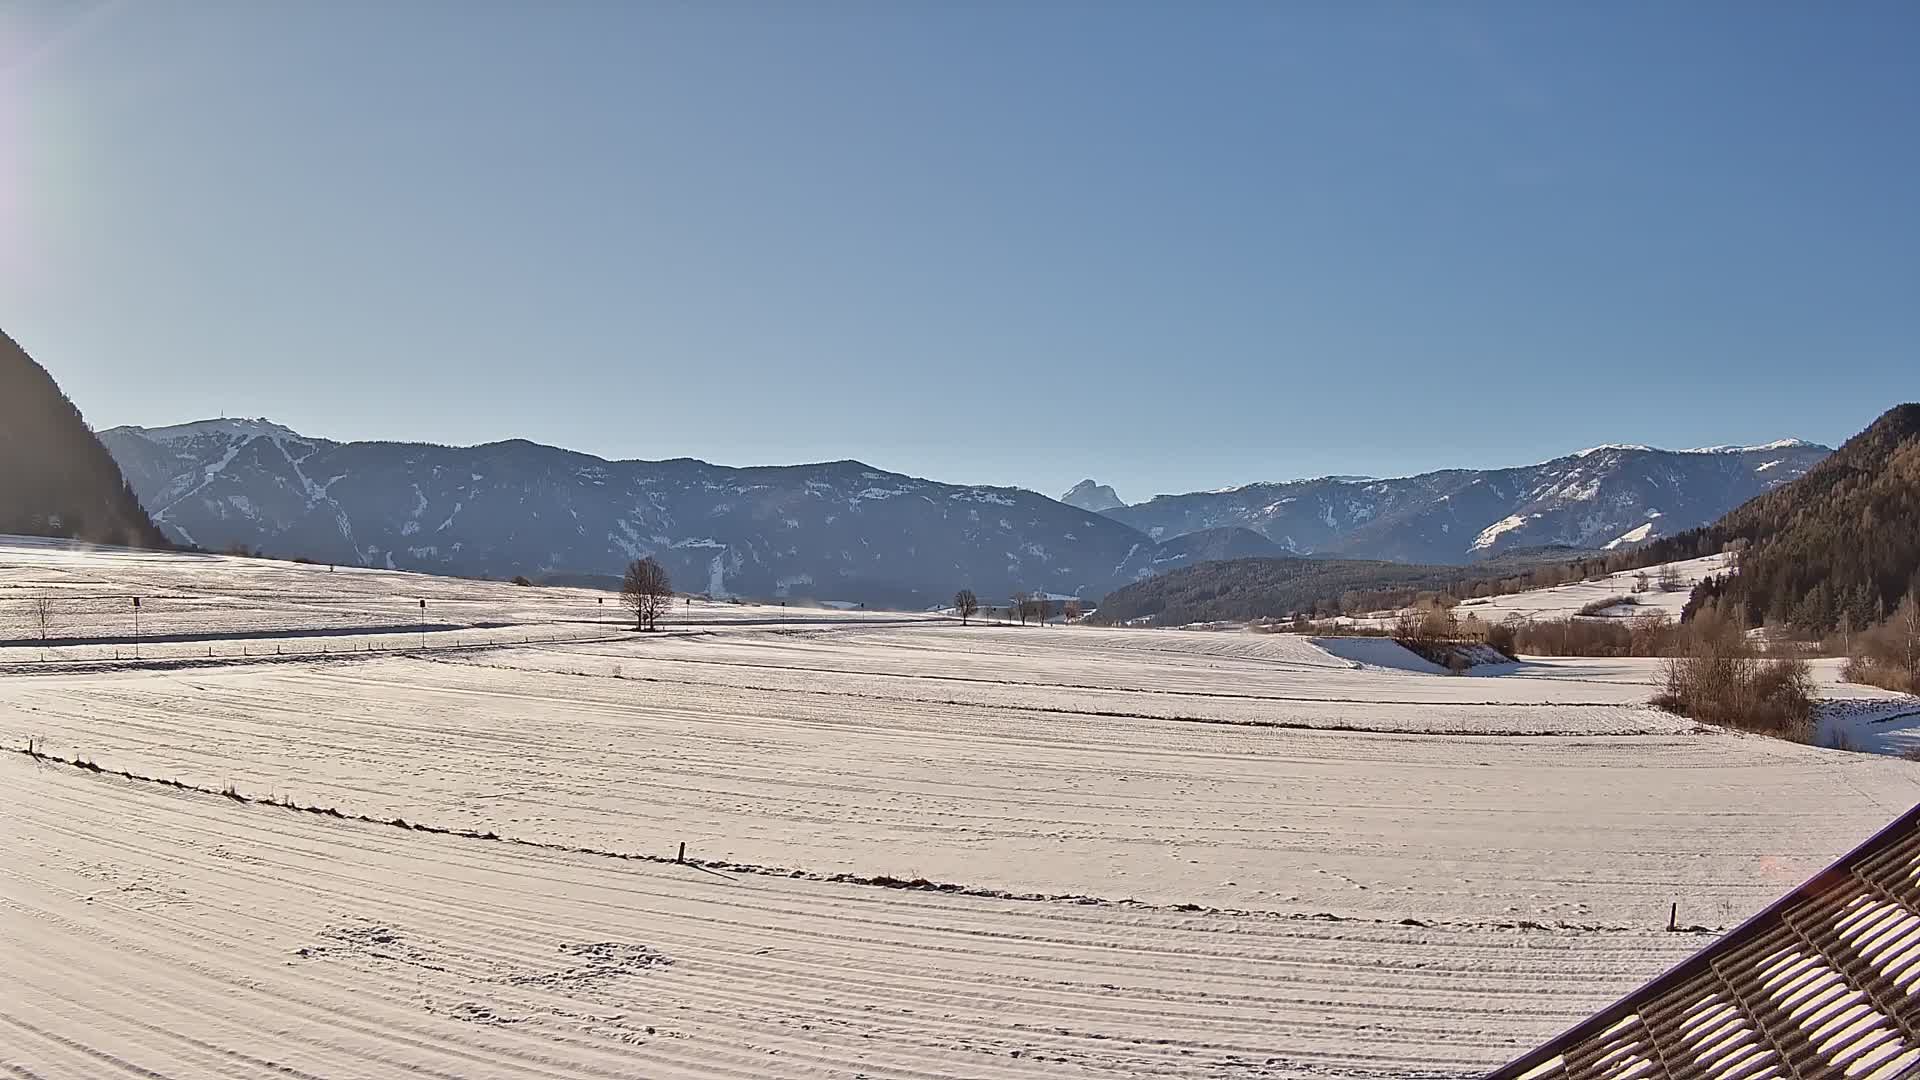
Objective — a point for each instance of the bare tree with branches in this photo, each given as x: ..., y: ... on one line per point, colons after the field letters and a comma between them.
x: 1906, y: 622
x: 43, y: 616
x: 1669, y: 578
x: 647, y: 590
x: 965, y: 604
x: 1033, y: 606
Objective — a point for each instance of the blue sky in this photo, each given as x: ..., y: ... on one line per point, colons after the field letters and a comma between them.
x: 1168, y: 246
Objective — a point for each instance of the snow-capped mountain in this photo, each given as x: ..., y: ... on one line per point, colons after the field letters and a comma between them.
x: 1088, y: 495
x: 1602, y: 497
x: 834, y: 531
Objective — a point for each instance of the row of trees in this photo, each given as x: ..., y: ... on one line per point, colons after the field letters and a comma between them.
x: 648, y: 591
x: 1024, y: 606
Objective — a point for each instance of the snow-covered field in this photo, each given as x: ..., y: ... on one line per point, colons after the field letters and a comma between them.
x: 1174, y: 854
x: 237, y: 607
x: 1566, y: 601
x: 1562, y: 601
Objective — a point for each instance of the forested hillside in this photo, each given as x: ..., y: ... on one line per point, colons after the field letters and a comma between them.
x: 1836, y: 549
x: 55, y: 477
x: 1263, y: 588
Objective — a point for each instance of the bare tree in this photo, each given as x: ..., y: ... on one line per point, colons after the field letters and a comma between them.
x: 43, y: 615
x: 1022, y: 603
x: 647, y: 590
x: 1073, y: 611
x: 1906, y: 622
x: 966, y: 604
x: 1669, y: 578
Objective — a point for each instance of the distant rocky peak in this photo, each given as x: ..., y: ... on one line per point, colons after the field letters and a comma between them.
x: 1092, y: 497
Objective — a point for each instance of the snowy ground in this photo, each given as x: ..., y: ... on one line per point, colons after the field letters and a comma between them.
x: 1180, y: 854
x: 1565, y: 601
x: 191, y: 605
x: 1561, y: 601
x: 1872, y: 722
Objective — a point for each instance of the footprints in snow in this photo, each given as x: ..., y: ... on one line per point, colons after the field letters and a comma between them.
x: 584, y: 970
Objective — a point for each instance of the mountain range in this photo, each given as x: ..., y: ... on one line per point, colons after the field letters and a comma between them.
x: 840, y: 531
x: 846, y: 531
x: 1835, y: 550
x: 1604, y: 497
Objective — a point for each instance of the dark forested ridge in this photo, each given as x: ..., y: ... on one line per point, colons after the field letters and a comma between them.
x: 1243, y: 589
x: 1837, y: 548
x: 55, y: 477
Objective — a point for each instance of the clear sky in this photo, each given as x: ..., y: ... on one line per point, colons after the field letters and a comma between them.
x: 1170, y: 246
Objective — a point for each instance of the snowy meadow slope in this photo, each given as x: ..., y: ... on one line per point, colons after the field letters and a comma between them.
x: 1137, y: 853
x: 235, y: 606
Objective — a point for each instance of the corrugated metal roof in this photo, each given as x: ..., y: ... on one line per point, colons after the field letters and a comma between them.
x: 1822, y: 984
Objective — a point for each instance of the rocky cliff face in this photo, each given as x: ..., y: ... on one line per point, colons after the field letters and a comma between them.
x: 1088, y: 495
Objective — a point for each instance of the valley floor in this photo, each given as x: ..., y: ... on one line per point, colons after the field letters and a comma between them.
x: 1170, y: 854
